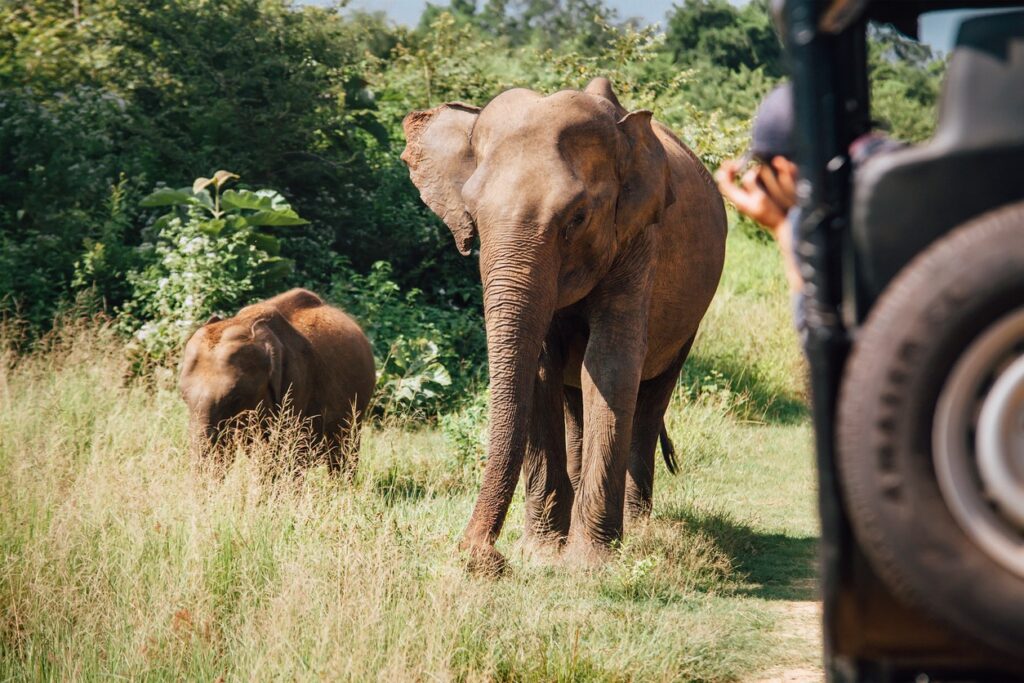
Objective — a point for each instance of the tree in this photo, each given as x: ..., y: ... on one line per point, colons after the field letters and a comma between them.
x: 543, y: 24
x: 905, y: 80
x: 718, y: 32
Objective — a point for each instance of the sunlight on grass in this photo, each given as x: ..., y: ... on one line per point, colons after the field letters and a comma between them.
x: 121, y: 556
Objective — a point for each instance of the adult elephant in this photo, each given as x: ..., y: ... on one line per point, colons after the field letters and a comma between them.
x: 602, y: 238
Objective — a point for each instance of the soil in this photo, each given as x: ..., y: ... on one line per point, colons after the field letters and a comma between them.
x: 799, y: 627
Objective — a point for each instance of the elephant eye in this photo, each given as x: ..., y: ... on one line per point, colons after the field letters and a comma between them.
x: 578, y: 220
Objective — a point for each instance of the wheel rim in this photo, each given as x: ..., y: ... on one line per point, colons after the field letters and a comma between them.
x: 978, y: 441
x: 1000, y: 442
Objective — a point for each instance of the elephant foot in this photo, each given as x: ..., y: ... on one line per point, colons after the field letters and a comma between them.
x: 482, y: 559
x: 638, y: 513
x: 586, y: 553
x: 541, y: 548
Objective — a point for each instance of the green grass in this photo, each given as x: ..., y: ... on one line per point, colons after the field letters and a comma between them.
x: 119, y: 557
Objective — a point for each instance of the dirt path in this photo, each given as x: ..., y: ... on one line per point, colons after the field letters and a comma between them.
x: 799, y: 628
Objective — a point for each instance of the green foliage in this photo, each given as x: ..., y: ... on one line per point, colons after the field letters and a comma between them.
x: 211, y: 254
x: 60, y: 158
x: 448, y: 61
x: 412, y: 376
x: 905, y: 78
x: 540, y: 24
x: 465, y: 431
x: 102, y: 268
x: 157, y: 90
x: 428, y: 356
x: 101, y: 101
x: 720, y: 33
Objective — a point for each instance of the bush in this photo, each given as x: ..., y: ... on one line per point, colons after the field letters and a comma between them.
x: 101, y: 100
x: 429, y: 357
x: 211, y: 254
x: 101, y: 271
x: 60, y: 158
x: 465, y: 431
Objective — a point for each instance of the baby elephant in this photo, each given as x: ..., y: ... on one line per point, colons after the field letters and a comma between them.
x: 293, y: 343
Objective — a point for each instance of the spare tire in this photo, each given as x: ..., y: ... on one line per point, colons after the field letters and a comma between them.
x: 931, y: 430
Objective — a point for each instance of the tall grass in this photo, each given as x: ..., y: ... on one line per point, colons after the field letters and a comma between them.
x: 119, y: 556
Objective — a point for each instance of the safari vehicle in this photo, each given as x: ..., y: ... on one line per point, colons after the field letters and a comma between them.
x: 914, y: 264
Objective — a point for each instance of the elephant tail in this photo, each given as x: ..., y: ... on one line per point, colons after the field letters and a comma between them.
x: 668, y: 451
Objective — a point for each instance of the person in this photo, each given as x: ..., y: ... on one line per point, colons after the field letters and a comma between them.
x: 767, y: 191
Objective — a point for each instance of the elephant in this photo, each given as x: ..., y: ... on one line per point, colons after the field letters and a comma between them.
x: 292, y: 344
x: 602, y: 241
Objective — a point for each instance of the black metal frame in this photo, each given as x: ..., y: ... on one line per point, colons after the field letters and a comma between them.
x: 869, y: 635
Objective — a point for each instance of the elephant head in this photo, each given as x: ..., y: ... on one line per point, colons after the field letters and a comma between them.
x: 554, y: 187
x: 230, y: 367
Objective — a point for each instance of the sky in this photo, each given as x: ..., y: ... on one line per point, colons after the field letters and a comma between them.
x: 938, y: 29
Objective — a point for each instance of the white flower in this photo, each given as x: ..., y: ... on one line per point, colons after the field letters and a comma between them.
x: 189, y: 300
x: 162, y: 283
x: 193, y: 245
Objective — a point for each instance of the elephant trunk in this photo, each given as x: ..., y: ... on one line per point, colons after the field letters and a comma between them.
x: 204, y: 430
x: 519, y: 296
x: 201, y: 435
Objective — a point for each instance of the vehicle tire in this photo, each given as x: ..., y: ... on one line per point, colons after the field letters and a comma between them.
x: 931, y: 430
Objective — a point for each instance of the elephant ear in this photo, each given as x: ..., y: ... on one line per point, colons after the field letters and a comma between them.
x: 645, y: 188
x: 602, y: 87
x: 262, y: 333
x: 440, y: 158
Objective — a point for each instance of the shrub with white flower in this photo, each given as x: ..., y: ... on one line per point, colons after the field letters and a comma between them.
x: 211, y: 254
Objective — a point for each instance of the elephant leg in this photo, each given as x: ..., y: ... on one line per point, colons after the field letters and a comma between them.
x: 573, y: 406
x: 549, y: 492
x: 611, y: 373
x: 344, y: 453
x: 343, y: 441
x: 648, y: 423
x: 616, y: 315
x: 337, y: 456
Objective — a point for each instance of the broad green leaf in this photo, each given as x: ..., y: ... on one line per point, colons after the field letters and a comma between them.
x: 275, y: 218
x: 275, y: 267
x: 161, y: 223
x: 277, y: 201
x: 267, y: 243
x: 203, y: 197
x: 245, y: 199
x: 260, y: 200
x: 438, y: 374
x: 166, y: 196
x: 235, y: 222
x: 212, y: 228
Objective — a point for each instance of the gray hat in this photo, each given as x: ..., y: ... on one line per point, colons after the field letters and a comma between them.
x: 772, y: 134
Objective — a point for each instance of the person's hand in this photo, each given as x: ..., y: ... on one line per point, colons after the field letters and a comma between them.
x: 764, y: 194
x: 780, y: 181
